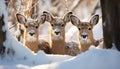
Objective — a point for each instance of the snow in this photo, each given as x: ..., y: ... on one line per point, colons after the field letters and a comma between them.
x: 93, y: 59
x: 3, y: 12
x: 18, y: 56
x: 97, y: 30
x: 2, y: 4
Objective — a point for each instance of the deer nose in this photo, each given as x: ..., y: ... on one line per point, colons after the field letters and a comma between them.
x: 31, y: 34
x: 57, y: 32
x: 84, y: 36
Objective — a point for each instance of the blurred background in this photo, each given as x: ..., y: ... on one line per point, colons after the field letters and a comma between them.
x: 83, y: 9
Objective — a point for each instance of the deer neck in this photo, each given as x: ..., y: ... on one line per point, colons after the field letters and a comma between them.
x: 58, y: 44
x: 32, y: 43
x: 84, y: 45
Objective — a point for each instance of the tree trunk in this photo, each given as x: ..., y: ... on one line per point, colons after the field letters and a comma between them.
x: 2, y: 35
x: 111, y: 23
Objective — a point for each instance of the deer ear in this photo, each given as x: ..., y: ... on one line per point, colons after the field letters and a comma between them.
x: 67, y: 17
x: 48, y: 16
x: 20, y: 18
x: 41, y: 19
x: 94, y: 20
x: 74, y: 20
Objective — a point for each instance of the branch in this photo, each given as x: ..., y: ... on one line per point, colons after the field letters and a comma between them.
x: 95, y: 8
x: 75, y: 4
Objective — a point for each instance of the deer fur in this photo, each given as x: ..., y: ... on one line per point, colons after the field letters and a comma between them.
x: 72, y: 48
x: 57, y: 43
x: 85, y: 35
x: 31, y: 33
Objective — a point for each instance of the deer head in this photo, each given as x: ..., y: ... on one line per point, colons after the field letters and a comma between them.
x: 58, y: 24
x: 85, y: 28
x: 31, y: 26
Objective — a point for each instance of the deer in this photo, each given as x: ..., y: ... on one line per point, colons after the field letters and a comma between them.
x: 85, y: 34
x: 31, y: 33
x: 57, y: 34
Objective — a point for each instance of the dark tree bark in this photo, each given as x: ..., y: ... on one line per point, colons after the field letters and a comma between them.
x: 111, y: 23
x: 2, y: 35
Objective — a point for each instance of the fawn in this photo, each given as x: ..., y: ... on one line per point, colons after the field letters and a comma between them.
x: 57, y: 43
x: 31, y: 33
x: 85, y: 31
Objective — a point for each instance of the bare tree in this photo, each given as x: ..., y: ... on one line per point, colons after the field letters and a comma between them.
x: 111, y: 23
x: 2, y: 35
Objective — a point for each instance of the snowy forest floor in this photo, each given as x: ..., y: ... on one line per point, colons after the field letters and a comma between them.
x: 94, y: 58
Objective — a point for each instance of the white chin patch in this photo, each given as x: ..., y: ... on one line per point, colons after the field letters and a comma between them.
x: 85, y: 40
x: 57, y: 37
x: 31, y: 39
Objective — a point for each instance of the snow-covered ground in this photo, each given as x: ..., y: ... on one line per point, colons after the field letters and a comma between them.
x: 95, y: 58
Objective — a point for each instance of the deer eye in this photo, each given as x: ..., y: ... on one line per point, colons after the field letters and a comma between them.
x: 36, y: 26
x: 26, y: 26
x: 89, y: 28
x: 52, y: 25
x: 79, y: 28
x: 62, y: 25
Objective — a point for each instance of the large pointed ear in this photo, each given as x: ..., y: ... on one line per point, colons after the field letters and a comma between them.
x: 20, y: 18
x: 67, y: 17
x: 48, y: 16
x: 41, y: 19
x: 94, y: 20
x: 75, y: 20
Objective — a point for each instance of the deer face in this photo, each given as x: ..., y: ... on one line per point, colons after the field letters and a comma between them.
x: 57, y: 24
x: 85, y: 28
x: 31, y: 27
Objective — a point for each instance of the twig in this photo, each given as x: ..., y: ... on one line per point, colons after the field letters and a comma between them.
x: 75, y: 6
x: 66, y: 5
x: 13, y: 26
x: 34, y: 5
x: 95, y: 8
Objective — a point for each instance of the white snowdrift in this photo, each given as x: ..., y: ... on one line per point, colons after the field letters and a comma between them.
x: 20, y: 57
